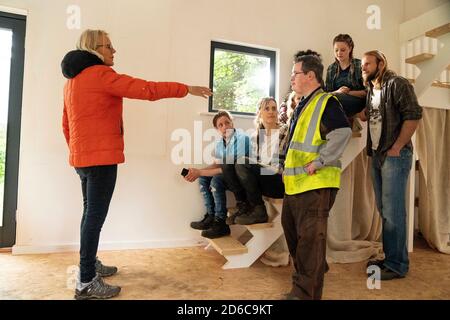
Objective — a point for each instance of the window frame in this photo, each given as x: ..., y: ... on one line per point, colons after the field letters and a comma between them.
x: 271, y: 54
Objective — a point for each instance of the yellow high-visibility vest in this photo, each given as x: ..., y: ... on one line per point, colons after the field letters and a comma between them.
x: 305, y: 146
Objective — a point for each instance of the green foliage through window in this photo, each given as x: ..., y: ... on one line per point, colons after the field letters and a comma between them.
x: 240, y: 77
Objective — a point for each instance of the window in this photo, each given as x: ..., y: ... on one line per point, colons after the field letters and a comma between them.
x: 240, y: 76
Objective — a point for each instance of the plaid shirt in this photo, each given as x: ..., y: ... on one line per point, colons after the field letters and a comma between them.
x: 278, y: 155
x: 398, y: 103
x: 354, y: 76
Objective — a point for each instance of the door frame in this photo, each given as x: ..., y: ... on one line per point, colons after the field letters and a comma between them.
x: 17, y: 23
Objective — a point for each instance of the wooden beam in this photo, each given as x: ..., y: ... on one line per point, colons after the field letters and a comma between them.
x: 228, y: 246
x: 439, y: 31
x: 260, y: 226
x: 440, y: 84
x: 419, y: 58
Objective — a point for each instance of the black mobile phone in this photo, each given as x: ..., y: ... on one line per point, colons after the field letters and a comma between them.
x: 184, y: 172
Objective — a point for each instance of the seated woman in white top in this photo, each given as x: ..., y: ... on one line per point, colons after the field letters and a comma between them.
x: 261, y: 176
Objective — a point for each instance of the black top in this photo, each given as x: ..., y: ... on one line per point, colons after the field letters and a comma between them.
x: 76, y: 61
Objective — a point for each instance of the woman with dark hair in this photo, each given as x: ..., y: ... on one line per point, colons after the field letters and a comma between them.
x: 344, y: 76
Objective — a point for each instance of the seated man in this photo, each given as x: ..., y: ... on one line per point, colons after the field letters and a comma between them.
x: 216, y: 178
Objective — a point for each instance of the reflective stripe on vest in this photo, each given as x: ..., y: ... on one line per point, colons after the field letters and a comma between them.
x: 305, y: 147
x: 300, y: 170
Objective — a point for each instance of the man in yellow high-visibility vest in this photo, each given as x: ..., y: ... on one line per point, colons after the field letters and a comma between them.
x: 318, y: 135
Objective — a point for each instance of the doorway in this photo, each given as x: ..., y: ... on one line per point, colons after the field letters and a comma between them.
x: 12, y: 51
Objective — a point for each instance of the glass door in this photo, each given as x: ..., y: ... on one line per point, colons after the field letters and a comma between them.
x: 12, y: 48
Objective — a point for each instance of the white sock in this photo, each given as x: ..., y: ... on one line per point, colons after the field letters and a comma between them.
x: 82, y: 285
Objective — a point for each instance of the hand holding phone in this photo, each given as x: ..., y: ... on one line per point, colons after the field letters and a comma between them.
x: 184, y: 172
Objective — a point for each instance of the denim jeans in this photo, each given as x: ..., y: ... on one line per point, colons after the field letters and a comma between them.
x: 214, y: 197
x: 389, y: 182
x: 97, y: 185
x: 257, y: 183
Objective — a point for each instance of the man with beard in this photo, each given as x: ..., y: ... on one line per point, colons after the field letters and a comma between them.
x: 393, y: 113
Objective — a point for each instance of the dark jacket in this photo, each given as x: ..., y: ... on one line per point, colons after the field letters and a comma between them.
x: 354, y: 76
x: 398, y: 103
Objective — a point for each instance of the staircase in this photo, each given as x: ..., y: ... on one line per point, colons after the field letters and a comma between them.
x: 425, y: 61
x: 247, y: 243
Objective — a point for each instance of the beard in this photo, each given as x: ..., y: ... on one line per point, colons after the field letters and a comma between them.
x: 371, y: 76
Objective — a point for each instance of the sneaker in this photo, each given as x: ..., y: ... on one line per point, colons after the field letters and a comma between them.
x: 217, y: 230
x: 387, y: 274
x: 243, y: 208
x: 96, y: 289
x: 204, y: 224
x: 259, y: 215
x: 104, y: 271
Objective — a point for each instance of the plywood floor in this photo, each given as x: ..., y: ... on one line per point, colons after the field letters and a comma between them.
x: 195, y: 273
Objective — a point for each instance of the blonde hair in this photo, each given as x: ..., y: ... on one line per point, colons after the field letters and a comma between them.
x: 261, y: 105
x: 89, y: 41
x: 380, y: 57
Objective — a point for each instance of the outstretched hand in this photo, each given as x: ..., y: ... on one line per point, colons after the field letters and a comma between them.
x: 200, y: 91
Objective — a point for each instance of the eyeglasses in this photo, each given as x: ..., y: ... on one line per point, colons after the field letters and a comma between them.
x: 295, y: 73
x: 108, y: 46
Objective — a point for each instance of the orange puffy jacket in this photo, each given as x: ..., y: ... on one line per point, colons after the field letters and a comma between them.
x: 92, y: 118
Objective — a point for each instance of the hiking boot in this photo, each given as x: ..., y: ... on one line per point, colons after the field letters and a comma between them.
x: 259, y: 215
x: 204, y: 224
x: 289, y: 296
x: 243, y: 208
x: 387, y: 274
x: 217, y: 230
x: 96, y: 289
x: 104, y: 271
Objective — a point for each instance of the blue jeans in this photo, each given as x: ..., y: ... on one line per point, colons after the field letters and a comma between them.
x: 97, y: 185
x: 214, y: 197
x: 389, y: 182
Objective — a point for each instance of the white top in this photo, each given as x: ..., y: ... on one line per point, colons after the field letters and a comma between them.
x: 375, y: 120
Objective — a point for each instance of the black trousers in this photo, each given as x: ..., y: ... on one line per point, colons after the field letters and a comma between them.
x: 304, y: 219
x: 97, y: 185
x: 259, y: 182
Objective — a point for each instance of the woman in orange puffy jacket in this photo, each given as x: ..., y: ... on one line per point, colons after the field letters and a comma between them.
x: 93, y: 128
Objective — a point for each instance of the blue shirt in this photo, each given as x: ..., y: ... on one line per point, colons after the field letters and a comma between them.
x: 237, y: 147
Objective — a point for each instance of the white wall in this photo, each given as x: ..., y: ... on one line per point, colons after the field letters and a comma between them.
x: 414, y: 8
x: 157, y: 40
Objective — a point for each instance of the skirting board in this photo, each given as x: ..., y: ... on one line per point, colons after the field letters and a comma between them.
x: 108, y: 246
